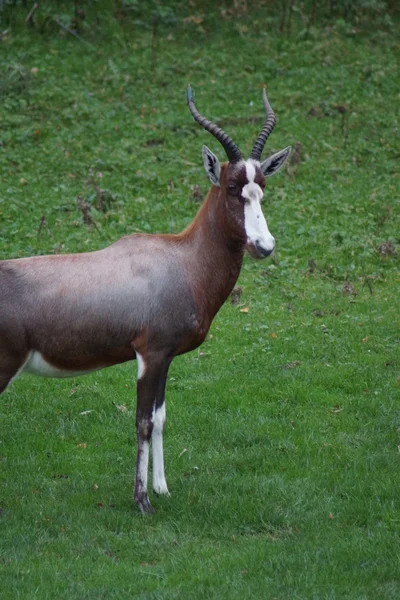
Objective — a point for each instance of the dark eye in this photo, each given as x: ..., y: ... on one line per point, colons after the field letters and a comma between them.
x: 233, y: 189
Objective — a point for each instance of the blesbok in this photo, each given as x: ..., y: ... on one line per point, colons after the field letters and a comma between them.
x: 145, y: 297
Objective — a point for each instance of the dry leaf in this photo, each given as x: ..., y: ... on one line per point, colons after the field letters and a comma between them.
x: 245, y: 309
x: 235, y: 295
x: 365, y: 340
x: 292, y: 365
x: 273, y: 335
x: 349, y: 289
x: 330, y: 516
x: 82, y: 445
x: 95, y: 487
x: 387, y: 249
x: 197, y: 20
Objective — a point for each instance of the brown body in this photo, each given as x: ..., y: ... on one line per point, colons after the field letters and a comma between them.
x: 144, y: 293
x: 149, y: 297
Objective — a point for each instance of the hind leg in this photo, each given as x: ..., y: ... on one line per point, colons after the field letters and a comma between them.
x: 10, y: 363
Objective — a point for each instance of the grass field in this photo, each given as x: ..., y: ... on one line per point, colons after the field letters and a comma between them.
x: 283, y: 434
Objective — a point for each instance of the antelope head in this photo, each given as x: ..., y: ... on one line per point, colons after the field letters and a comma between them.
x: 242, y: 182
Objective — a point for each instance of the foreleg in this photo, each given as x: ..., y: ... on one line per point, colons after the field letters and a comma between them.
x: 159, y: 482
x: 150, y: 418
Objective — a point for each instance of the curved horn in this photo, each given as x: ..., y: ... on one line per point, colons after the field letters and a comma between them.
x: 232, y: 151
x: 265, y: 131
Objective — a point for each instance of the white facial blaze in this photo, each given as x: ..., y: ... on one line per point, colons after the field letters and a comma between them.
x: 254, y: 221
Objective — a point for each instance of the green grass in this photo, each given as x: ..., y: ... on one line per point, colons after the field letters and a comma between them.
x: 282, y: 442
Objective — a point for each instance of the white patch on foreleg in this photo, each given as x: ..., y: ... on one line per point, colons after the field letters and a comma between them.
x: 141, y: 365
x: 143, y: 467
x: 159, y: 482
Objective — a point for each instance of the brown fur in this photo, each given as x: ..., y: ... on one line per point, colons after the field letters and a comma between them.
x: 152, y: 294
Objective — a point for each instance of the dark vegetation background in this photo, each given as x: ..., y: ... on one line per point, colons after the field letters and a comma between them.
x: 282, y: 443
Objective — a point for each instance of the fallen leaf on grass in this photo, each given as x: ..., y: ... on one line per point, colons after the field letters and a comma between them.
x: 387, y: 249
x: 274, y: 335
x: 121, y: 408
x: 82, y: 445
x: 349, y: 289
x: 85, y: 412
x: 235, y: 295
x: 197, y: 20
x: 244, y: 310
x: 292, y: 365
x: 197, y: 194
x: 365, y: 340
x: 330, y: 516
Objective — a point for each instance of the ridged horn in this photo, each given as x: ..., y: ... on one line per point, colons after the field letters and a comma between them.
x: 231, y: 149
x: 265, y: 131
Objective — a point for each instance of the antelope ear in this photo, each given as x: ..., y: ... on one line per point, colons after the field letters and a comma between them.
x: 273, y: 163
x: 211, y: 165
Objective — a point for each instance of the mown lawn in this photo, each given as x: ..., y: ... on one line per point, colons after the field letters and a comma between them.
x: 283, y: 435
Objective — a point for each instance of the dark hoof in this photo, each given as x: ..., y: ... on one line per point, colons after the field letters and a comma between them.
x: 143, y: 503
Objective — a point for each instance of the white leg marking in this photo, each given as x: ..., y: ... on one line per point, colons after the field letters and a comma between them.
x: 143, y: 467
x: 141, y: 365
x: 159, y: 482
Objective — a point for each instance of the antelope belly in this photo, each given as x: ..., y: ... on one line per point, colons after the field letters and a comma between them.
x: 37, y: 365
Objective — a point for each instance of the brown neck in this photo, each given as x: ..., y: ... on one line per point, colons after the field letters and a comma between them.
x: 214, y: 253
